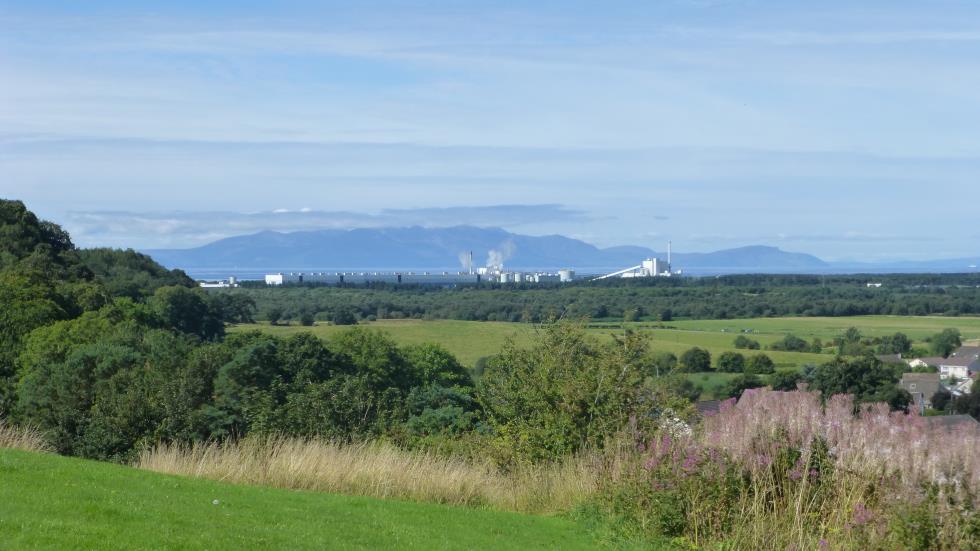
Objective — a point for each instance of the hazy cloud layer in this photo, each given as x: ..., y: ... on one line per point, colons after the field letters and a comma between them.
x: 187, y: 229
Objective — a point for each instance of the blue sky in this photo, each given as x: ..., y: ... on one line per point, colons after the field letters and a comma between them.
x: 848, y: 131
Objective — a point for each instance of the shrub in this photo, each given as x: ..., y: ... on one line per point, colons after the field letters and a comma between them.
x: 343, y: 317
x: 565, y: 393
x: 731, y: 362
x: 744, y: 343
x: 785, y: 379
x: 696, y: 360
x: 735, y: 387
x: 760, y: 364
x: 791, y: 343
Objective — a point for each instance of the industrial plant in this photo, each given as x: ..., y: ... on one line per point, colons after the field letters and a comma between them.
x: 651, y: 267
x: 493, y: 272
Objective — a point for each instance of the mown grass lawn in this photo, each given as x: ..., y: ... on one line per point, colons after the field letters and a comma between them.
x: 52, y: 502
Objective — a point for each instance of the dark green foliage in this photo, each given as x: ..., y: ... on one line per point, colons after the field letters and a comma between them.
x: 759, y: 364
x: 666, y: 298
x: 866, y: 378
x: 731, y: 362
x: 735, y: 387
x: 274, y: 315
x: 232, y: 307
x: 306, y: 319
x: 969, y: 404
x: 941, y: 399
x: 662, y: 363
x: 696, y: 360
x: 946, y: 342
x: 127, y: 273
x: 187, y: 310
x: 343, y: 316
x: 899, y: 343
x: 791, y: 343
x: 30, y: 244
x: 785, y: 379
x: 564, y: 393
x: 744, y: 343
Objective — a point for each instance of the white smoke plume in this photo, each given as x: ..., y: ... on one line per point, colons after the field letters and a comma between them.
x: 497, y: 257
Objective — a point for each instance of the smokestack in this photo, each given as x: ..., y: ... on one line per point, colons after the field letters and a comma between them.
x: 471, y: 262
x: 669, y: 268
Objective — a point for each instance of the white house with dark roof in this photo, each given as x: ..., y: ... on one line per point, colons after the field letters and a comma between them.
x: 962, y: 364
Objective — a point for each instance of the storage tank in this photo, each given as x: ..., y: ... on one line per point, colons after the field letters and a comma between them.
x: 566, y: 275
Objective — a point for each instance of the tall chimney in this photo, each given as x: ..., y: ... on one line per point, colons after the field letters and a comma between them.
x: 669, y: 267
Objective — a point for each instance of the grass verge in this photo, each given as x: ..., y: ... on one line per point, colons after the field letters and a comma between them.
x: 52, y: 502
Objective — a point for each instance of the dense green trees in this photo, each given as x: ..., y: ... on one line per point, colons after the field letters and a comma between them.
x: 866, y: 378
x: 759, y: 364
x: 791, y: 343
x: 731, y: 362
x: 946, y: 342
x: 785, y: 379
x: 696, y: 360
x: 744, y: 343
x: 565, y: 392
x: 658, y: 299
x: 127, y: 273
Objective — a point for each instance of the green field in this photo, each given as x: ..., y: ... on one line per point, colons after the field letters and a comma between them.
x: 471, y: 340
x: 52, y: 502
x: 916, y: 327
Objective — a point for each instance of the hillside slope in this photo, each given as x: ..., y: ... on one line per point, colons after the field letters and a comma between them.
x: 56, y: 502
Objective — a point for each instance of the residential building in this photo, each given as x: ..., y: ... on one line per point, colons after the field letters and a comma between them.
x: 962, y: 364
x: 922, y: 386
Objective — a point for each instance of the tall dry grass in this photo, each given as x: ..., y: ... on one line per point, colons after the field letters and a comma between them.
x: 380, y: 470
x: 22, y: 438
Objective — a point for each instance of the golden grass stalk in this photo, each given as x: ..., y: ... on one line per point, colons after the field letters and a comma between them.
x: 378, y: 470
x: 22, y: 438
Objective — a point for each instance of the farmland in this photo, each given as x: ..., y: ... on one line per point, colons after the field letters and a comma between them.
x: 470, y: 340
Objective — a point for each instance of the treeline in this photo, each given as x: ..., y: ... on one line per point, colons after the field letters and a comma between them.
x: 656, y: 299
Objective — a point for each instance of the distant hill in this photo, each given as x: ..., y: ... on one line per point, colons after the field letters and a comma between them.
x: 417, y: 248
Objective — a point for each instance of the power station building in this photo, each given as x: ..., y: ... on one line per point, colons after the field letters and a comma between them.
x: 413, y: 278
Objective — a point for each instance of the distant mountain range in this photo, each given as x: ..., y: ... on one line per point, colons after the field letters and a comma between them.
x: 418, y: 248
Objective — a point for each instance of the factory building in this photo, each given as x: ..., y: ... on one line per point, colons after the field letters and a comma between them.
x: 229, y: 283
x: 412, y: 278
x: 651, y: 267
x: 355, y: 278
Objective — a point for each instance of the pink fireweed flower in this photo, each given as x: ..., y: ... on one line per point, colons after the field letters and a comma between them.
x: 861, y: 515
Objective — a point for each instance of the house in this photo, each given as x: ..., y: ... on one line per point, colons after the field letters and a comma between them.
x: 922, y: 386
x: 962, y: 364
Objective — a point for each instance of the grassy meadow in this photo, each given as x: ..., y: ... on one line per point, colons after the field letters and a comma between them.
x: 94, y: 505
x: 471, y: 340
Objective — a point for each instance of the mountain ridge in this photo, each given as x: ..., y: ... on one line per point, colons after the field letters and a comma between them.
x: 416, y: 247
